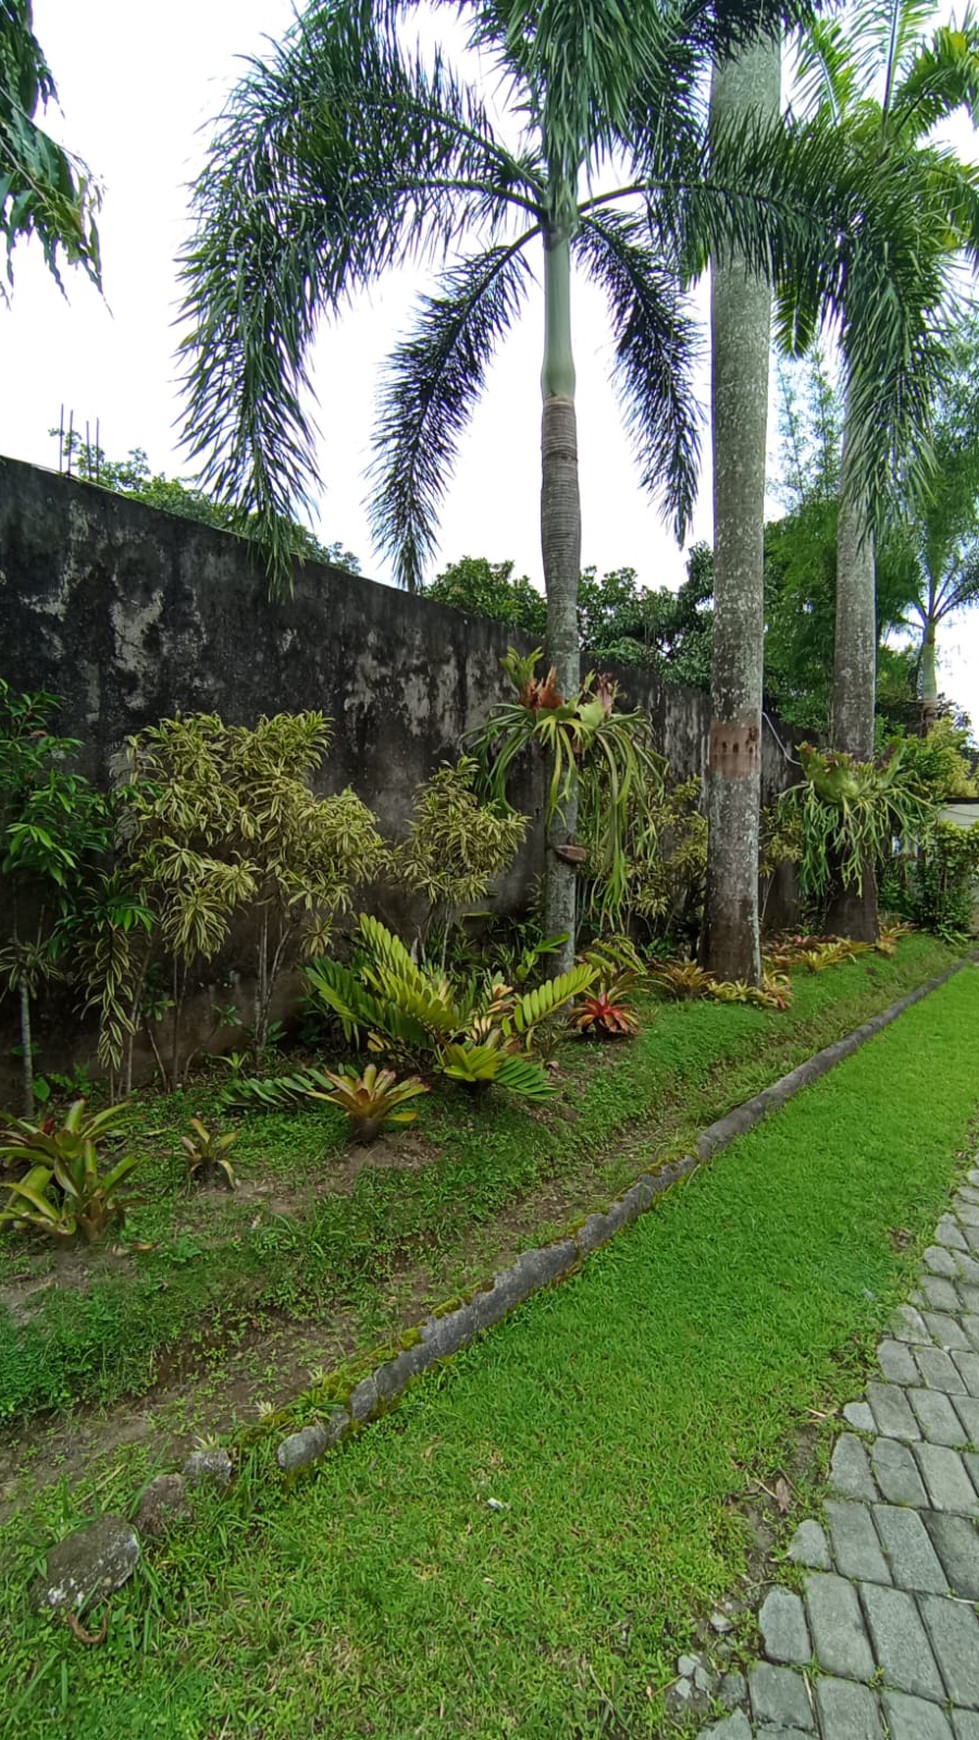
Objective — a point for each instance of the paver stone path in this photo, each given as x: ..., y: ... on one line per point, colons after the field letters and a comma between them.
x: 884, y: 1638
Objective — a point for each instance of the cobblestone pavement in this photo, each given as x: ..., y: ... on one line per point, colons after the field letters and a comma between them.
x: 884, y: 1641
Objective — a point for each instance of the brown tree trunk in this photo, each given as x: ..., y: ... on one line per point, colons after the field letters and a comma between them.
x: 852, y: 912
x: 741, y: 307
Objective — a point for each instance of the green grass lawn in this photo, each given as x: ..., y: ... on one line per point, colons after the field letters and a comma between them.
x: 302, y: 1241
x: 618, y: 1421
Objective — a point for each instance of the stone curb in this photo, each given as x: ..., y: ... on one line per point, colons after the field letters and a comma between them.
x: 441, y: 1336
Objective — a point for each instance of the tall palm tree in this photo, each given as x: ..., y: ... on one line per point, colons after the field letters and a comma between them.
x: 874, y: 75
x: 346, y: 153
x: 745, y: 90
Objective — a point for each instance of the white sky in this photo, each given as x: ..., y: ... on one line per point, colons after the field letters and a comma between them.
x: 136, y: 84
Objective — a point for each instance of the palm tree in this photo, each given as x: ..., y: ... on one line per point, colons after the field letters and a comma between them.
x: 346, y: 154
x: 744, y: 91
x: 947, y: 527
x: 44, y: 191
x: 885, y: 87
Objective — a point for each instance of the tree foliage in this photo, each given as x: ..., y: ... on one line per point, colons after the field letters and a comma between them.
x: 45, y: 191
x: 183, y: 497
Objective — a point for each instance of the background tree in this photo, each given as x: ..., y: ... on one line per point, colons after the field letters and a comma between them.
x: 45, y: 192
x: 872, y: 74
x: 946, y: 540
x: 182, y: 496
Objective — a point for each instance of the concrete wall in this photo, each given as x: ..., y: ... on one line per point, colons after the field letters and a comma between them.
x: 130, y: 615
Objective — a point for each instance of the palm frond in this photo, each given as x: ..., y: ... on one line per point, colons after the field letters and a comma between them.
x: 337, y: 158
x: 433, y: 381
x: 655, y: 355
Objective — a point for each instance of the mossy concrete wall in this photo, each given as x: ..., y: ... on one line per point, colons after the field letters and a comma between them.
x: 130, y: 614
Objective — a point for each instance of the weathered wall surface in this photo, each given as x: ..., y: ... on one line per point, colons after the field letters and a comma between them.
x: 130, y: 614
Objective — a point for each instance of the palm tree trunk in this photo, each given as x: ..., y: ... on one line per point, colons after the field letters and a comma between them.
x: 560, y: 516
x: 929, y: 674
x: 852, y: 911
x: 741, y: 313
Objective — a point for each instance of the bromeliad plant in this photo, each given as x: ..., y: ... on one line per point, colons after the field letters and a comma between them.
x: 582, y: 739
x: 63, y: 1191
x: 852, y: 812
x: 606, y: 1009
x: 207, y: 1152
x: 372, y: 1099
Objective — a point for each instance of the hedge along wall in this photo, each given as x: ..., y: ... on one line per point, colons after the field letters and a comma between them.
x: 130, y: 615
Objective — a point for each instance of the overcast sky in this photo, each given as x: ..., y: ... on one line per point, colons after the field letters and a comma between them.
x: 137, y: 83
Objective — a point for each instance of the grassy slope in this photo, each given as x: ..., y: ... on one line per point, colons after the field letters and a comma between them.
x: 345, y: 1253
x: 617, y: 1419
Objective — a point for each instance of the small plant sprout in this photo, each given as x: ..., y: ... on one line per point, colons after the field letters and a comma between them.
x: 373, y: 1099
x: 207, y: 1152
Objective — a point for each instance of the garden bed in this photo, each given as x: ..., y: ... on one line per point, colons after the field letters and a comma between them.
x: 528, y: 1542
x: 324, y: 1250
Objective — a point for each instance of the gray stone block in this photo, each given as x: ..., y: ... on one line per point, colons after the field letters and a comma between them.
x: 966, y: 1213
x: 208, y: 1468
x: 88, y: 1565
x: 856, y: 1548
x: 946, y: 1330
x: 891, y: 1411
x: 970, y: 1323
x: 849, y: 1470
x: 733, y: 1691
x: 938, y: 1260
x: 967, y: 1192
x: 946, y: 1478
x: 364, y: 1399
x: 810, y: 1546
x: 896, y: 1362
x: 912, y: 1558
x: 938, y: 1420
x: 302, y: 1448
x: 597, y: 1230
x: 956, y: 1542
x: 510, y: 1288
x: 734, y: 1727
x: 837, y: 1627
x: 393, y: 1377
x: 897, y: 1474
x: 900, y: 1645
x: 966, y: 1724
x: 969, y: 1295
x: 780, y: 1698
x: 966, y: 1268
x: 967, y: 1408
x: 847, y: 1711
x: 859, y: 1416
x: 971, y: 1237
x: 445, y: 1335
x: 541, y: 1268
x: 937, y: 1369
x: 913, y: 1719
x: 907, y: 1324
x: 948, y: 1232
x: 967, y: 1364
x: 940, y: 1295
x: 784, y: 1629
x: 954, y: 1634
